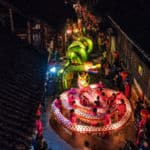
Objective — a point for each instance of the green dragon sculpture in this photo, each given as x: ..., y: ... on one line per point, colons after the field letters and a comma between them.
x: 77, y: 59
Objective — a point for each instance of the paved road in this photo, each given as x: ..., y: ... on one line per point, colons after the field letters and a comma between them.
x: 53, y: 140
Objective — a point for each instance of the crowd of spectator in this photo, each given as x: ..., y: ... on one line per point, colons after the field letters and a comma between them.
x: 38, y: 141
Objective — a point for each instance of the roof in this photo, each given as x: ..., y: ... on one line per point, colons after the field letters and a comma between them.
x: 21, y: 71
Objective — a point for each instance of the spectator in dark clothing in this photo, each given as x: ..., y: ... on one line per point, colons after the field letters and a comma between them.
x: 44, y: 145
x: 34, y: 141
x: 147, y: 129
x: 86, y: 146
x: 129, y: 145
x: 116, y: 56
x: 145, y: 145
x: 120, y: 83
x: 139, y: 107
x: 113, y: 70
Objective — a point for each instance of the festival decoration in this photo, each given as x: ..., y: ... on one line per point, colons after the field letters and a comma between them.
x: 77, y: 60
x: 89, y: 123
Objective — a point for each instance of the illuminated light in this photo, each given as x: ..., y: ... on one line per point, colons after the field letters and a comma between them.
x: 76, y: 30
x: 86, y: 67
x: 93, y: 86
x: 89, y: 67
x: 53, y: 69
x: 69, y: 31
x: 98, y: 65
x: 82, y: 80
x: 82, y: 128
x: 61, y: 71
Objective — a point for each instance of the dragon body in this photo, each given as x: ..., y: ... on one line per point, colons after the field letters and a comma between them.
x: 77, y: 59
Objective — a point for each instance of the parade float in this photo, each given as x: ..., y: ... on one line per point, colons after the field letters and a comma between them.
x: 77, y: 62
x: 87, y: 121
x: 97, y: 110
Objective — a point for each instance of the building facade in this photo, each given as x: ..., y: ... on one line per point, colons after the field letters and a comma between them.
x: 134, y: 61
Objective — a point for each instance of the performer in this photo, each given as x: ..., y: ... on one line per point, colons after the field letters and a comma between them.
x: 100, y: 85
x: 58, y: 103
x: 38, y: 111
x: 116, y: 56
x: 111, y: 99
x: 73, y: 117
x: 127, y: 89
x: 141, y: 129
x: 142, y: 122
x: 97, y: 102
x: 39, y: 127
x: 121, y: 109
x: 84, y: 100
x: 72, y: 91
x: 94, y: 110
x: 71, y: 100
x: 107, y: 118
x: 104, y: 97
x: 139, y: 107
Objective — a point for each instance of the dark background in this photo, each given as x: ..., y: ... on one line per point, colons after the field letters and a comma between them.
x: 132, y: 15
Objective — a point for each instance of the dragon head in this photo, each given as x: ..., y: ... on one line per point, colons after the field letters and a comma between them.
x: 91, y: 68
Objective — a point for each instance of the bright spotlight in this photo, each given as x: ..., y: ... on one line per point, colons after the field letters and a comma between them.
x: 53, y: 69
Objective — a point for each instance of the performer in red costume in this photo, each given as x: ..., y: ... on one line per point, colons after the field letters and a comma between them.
x: 38, y: 112
x: 72, y: 91
x: 84, y: 100
x: 71, y: 100
x: 73, y: 117
x: 142, y: 122
x: 121, y: 109
x: 58, y: 103
x: 107, y: 118
x: 104, y: 97
x: 127, y: 89
x: 140, y: 129
x: 39, y: 127
x: 111, y: 99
